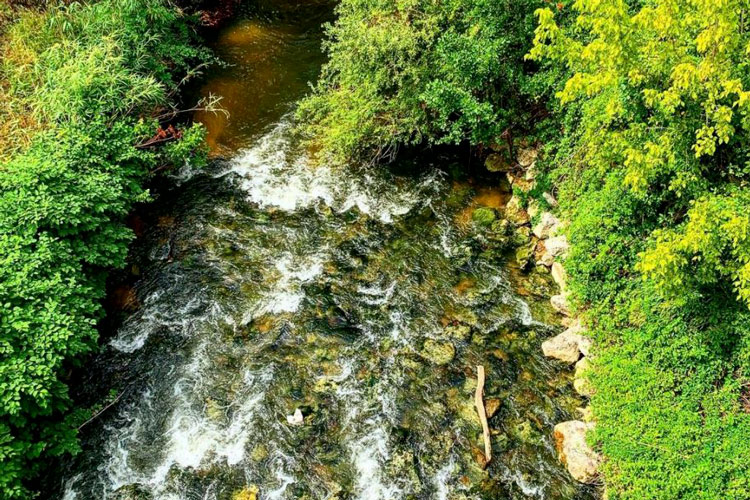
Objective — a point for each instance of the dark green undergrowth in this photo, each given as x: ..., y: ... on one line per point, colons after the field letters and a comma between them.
x: 79, y: 83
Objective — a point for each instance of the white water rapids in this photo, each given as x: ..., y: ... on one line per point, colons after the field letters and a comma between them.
x: 265, y: 284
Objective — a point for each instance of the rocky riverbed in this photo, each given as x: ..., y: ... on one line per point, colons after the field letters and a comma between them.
x: 302, y: 331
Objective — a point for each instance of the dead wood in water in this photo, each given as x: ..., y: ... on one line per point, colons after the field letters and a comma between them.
x: 479, y: 402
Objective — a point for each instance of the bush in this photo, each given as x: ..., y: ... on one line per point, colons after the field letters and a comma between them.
x: 81, y: 76
x: 653, y: 179
x: 411, y: 72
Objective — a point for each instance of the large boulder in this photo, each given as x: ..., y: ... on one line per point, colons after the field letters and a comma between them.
x: 567, y: 346
x: 574, y: 452
x: 546, y: 226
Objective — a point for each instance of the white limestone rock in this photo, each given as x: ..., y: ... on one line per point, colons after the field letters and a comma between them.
x: 545, y: 228
x: 557, y: 246
x: 574, y: 452
x: 567, y: 345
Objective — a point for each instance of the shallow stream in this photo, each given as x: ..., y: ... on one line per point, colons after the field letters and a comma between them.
x: 364, y: 298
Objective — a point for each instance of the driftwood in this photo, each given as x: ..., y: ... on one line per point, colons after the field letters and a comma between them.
x: 479, y: 402
x: 98, y: 413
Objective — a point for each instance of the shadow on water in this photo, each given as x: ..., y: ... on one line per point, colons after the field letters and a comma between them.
x: 364, y: 298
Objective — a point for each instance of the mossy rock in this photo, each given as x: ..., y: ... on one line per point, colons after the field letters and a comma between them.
x: 132, y: 492
x: 259, y: 453
x: 246, y: 493
x: 501, y: 227
x: 539, y: 284
x: 439, y: 353
x: 483, y: 216
x: 497, y: 163
x: 525, y: 432
x: 521, y: 236
x: 525, y: 257
x: 459, y: 332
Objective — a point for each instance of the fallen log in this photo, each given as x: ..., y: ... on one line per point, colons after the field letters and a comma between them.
x: 479, y: 402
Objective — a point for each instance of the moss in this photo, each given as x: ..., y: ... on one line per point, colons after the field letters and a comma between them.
x: 439, y: 353
x: 483, y: 216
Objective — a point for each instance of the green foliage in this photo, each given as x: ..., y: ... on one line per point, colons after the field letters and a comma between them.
x: 653, y: 176
x: 404, y: 72
x: 84, y: 73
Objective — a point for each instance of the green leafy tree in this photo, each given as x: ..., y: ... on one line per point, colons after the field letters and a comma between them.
x: 653, y: 170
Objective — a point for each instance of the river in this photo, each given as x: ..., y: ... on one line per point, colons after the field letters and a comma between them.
x: 364, y: 298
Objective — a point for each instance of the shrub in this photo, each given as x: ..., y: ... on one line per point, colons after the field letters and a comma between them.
x: 80, y: 76
x: 404, y: 72
x: 654, y: 182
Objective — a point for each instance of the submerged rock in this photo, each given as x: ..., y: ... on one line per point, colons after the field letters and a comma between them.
x: 479, y: 457
x: 491, y: 407
x: 483, y: 216
x: 259, y: 453
x: 459, y: 332
x: 570, y: 439
x: 246, y: 493
x: 132, y: 492
x: 537, y: 284
x: 440, y: 353
x: 524, y: 431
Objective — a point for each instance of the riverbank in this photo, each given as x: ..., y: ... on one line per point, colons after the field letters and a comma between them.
x: 82, y: 88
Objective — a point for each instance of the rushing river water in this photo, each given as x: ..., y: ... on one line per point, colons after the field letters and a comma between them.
x: 361, y: 297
